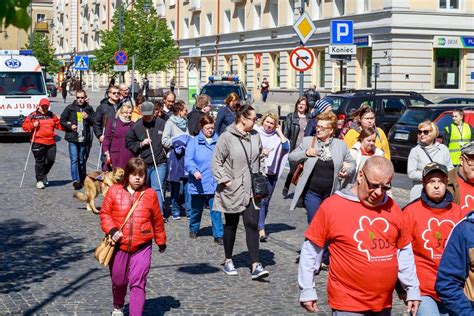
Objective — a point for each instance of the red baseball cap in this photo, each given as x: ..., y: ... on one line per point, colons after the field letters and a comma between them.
x: 44, y: 101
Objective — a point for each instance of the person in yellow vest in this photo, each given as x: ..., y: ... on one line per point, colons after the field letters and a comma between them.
x: 457, y: 135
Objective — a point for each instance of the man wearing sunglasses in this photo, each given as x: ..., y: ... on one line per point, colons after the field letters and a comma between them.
x: 369, y: 247
x: 461, y: 179
x: 106, y: 111
x: 77, y: 120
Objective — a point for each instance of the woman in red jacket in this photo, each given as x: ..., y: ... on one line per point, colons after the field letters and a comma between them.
x: 131, y: 262
x: 42, y: 123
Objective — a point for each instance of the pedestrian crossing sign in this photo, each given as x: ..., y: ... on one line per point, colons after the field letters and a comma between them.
x: 81, y: 62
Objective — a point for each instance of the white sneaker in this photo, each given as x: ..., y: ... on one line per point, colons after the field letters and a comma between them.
x: 117, y: 312
x: 40, y: 185
x: 229, y: 268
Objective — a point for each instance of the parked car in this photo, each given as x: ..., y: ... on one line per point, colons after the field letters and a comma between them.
x: 455, y: 100
x: 446, y: 119
x: 388, y: 105
x: 402, y: 137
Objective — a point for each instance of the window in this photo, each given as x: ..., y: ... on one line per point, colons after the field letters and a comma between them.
x: 173, y: 27
x: 209, y: 24
x: 40, y: 17
x: 227, y: 21
x: 366, y: 67
x: 276, y: 70
x: 290, y: 12
x: 393, y: 106
x: 186, y: 28
x: 273, y: 14
x: 449, y: 4
x: 363, y: 6
x: 197, y: 25
x: 257, y: 20
x: 241, y: 18
x: 339, y: 7
x: 447, y: 62
x: 316, y: 9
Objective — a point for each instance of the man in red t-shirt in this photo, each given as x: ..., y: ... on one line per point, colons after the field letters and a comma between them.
x: 369, y: 247
x: 430, y: 220
x: 461, y: 179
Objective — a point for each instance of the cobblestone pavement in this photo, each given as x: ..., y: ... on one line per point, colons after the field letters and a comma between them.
x: 47, y: 265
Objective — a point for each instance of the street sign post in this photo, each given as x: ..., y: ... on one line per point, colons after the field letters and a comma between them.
x: 376, y: 73
x: 301, y: 59
x: 304, y: 27
x: 120, y: 57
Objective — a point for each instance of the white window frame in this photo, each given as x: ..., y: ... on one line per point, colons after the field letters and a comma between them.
x: 209, y: 23
x: 240, y: 18
x: 186, y: 28
x: 448, y: 3
x: 257, y: 17
x: 336, y: 12
x: 227, y: 21
x: 273, y: 21
x: 317, y: 7
x: 197, y: 25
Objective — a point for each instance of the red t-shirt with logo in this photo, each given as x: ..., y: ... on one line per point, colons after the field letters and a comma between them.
x: 466, y: 195
x: 429, y: 231
x: 363, y: 245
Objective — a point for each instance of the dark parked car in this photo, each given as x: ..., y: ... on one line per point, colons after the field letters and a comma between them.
x: 455, y: 100
x: 403, y: 135
x: 388, y: 105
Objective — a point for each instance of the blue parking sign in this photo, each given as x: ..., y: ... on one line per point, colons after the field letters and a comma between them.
x: 342, y: 32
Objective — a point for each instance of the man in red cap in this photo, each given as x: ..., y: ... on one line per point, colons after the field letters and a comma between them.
x: 41, y: 124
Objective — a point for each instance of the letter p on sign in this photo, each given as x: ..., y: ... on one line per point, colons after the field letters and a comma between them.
x: 342, y: 32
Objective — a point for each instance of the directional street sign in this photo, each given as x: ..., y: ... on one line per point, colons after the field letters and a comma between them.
x: 81, y: 62
x: 301, y: 59
x: 120, y: 57
x: 342, y: 32
x: 342, y: 49
x: 304, y: 27
x: 120, y: 68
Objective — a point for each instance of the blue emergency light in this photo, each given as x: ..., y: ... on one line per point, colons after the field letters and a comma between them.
x: 26, y: 52
x: 223, y: 78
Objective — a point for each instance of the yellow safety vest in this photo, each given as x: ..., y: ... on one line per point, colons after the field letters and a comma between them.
x: 457, y: 140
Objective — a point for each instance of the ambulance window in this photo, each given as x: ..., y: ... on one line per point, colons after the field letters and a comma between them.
x: 21, y: 83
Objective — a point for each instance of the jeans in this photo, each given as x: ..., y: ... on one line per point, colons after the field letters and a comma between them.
x: 153, y: 183
x: 45, y: 155
x: 195, y: 214
x: 262, y: 213
x: 78, y: 157
x: 312, y: 201
x: 177, y: 189
x: 430, y: 307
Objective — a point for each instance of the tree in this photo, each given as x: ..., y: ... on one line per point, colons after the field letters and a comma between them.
x: 44, y: 52
x: 144, y: 35
x: 15, y: 12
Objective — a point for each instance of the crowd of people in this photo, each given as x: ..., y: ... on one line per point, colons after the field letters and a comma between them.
x: 232, y: 163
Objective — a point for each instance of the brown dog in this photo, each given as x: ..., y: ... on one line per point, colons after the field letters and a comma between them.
x: 97, y: 182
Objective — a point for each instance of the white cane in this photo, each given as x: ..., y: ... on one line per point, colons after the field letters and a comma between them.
x: 156, y: 168
x: 100, y: 151
x: 27, y: 158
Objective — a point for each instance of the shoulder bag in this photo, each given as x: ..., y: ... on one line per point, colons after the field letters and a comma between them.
x: 103, y: 253
x: 259, y: 182
x: 299, y: 168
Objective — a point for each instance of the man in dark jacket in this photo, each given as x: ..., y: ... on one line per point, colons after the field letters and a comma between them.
x: 312, y: 96
x: 169, y: 98
x: 194, y: 117
x: 144, y: 140
x: 77, y: 119
x: 106, y: 111
x: 320, y: 107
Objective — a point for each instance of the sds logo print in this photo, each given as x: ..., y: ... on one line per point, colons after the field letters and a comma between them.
x: 435, y: 240
x: 372, y: 240
x: 468, y: 203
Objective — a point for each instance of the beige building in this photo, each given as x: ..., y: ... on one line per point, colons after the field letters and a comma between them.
x: 41, y: 12
x: 421, y: 45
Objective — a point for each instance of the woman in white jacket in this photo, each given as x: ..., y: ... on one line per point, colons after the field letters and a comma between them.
x: 365, y: 148
x: 427, y: 150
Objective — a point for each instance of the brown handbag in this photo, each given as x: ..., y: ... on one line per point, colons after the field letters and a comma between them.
x: 469, y: 284
x: 103, y: 253
x: 299, y: 168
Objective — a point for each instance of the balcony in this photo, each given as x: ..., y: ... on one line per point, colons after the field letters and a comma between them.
x: 42, y: 27
x: 194, y: 5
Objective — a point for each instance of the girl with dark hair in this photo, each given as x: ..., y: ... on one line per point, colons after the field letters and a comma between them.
x: 237, y: 148
x: 202, y: 186
x: 295, y: 125
x: 226, y: 115
x: 132, y: 260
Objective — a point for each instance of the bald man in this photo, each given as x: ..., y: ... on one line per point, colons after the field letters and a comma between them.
x: 369, y: 247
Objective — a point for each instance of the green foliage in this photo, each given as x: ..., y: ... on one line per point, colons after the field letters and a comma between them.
x: 146, y: 36
x: 44, y: 52
x: 15, y: 12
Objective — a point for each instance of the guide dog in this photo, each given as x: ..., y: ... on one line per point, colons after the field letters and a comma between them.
x: 98, y: 182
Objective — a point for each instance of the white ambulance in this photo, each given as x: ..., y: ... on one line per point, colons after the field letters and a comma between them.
x: 22, y: 86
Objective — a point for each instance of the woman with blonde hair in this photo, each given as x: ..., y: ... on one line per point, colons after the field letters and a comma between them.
x: 275, y: 149
x: 226, y: 115
x: 427, y: 150
x: 116, y: 153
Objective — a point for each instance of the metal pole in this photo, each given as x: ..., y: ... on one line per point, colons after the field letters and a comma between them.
x: 301, y: 90
x: 133, y: 76
x: 119, y: 4
x: 80, y: 79
x: 28, y: 157
x: 341, y: 66
x: 31, y: 27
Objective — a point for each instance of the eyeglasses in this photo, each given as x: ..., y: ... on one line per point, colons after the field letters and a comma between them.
x: 373, y: 187
x: 323, y: 127
x: 469, y: 160
x: 254, y: 119
x: 424, y: 132
x: 80, y: 98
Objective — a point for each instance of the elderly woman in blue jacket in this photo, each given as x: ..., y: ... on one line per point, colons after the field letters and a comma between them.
x: 201, y: 184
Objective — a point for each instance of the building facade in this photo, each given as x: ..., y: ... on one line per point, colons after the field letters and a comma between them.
x: 421, y: 45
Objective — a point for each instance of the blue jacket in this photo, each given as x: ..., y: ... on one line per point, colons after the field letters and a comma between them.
x: 198, y: 157
x: 454, y: 269
x: 224, y: 118
x: 176, y: 159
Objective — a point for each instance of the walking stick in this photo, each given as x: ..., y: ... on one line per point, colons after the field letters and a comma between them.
x: 156, y: 168
x: 100, y: 151
x: 28, y: 158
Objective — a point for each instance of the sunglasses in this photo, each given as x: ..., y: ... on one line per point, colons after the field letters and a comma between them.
x: 80, y: 98
x: 469, y: 159
x: 373, y: 187
x: 115, y: 93
x: 424, y: 132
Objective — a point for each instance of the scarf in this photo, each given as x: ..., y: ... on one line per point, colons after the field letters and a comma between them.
x: 443, y: 204
x: 276, y: 159
x: 180, y: 122
x: 123, y: 119
x: 324, y: 153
